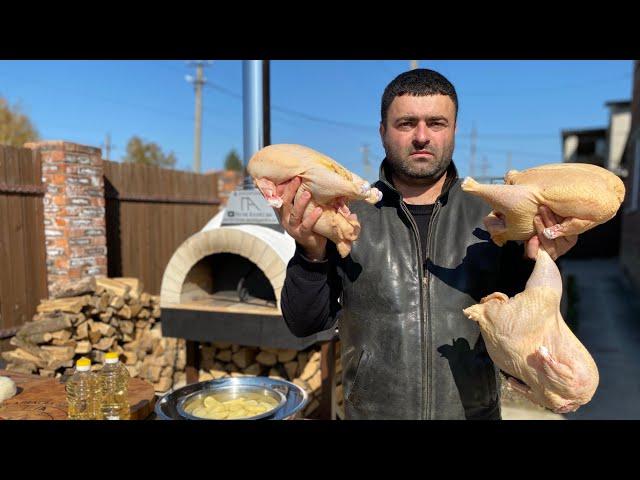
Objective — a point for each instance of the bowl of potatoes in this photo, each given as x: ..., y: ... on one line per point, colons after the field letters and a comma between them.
x: 232, y: 402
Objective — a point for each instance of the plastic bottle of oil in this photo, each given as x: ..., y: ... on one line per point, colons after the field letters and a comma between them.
x: 114, y: 384
x: 83, y: 393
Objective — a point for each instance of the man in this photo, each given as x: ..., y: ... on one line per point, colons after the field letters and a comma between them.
x: 422, y: 256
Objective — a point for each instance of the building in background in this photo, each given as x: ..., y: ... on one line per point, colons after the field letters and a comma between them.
x: 604, y: 147
x: 630, y: 234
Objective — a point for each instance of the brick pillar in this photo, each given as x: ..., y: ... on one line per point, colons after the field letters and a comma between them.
x: 74, y: 210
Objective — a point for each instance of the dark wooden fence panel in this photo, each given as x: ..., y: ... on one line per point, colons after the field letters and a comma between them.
x: 150, y: 212
x: 23, y: 270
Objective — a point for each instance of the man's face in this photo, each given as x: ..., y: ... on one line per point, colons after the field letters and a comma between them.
x: 418, y: 137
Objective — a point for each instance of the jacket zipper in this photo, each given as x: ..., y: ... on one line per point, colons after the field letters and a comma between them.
x: 423, y: 316
x: 427, y: 307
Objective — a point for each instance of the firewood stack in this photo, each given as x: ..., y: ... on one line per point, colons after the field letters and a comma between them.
x: 91, y: 317
x: 220, y: 360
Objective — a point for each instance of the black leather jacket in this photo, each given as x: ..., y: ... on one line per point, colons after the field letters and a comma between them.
x: 408, y: 351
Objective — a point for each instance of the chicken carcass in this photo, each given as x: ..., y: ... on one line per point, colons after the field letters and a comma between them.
x: 528, y: 339
x: 586, y: 195
x: 331, y: 186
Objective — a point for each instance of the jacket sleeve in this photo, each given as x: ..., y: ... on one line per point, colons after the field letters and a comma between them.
x: 310, y: 294
x: 515, y: 269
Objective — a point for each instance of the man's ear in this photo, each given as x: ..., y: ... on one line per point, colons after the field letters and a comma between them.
x: 381, y: 130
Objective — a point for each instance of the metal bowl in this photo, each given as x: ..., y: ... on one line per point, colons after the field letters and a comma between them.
x: 167, y: 406
x: 233, y: 391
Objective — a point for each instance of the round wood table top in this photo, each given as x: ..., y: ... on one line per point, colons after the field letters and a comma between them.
x: 41, y: 398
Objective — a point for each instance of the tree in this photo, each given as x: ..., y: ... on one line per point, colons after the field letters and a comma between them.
x: 233, y: 162
x: 139, y: 151
x: 15, y: 127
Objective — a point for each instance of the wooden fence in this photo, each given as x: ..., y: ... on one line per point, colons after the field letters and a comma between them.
x: 150, y: 212
x: 23, y: 270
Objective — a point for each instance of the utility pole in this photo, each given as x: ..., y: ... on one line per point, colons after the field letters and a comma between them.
x: 472, y: 160
x: 413, y: 64
x: 365, y: 160
x: 108, y: 146
x: 198, y: 82
x: 484, y: 167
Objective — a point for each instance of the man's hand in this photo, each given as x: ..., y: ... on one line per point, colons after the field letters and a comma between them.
x: 296, y: 223
x: 555, y: 248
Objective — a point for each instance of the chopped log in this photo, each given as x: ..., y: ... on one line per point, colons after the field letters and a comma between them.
x: 269, y: 350
x: 134, y: 371
x: 104, y: 344
x: 145, y: 299
x: 266, y: 358
x: 135, y: 306
x: 312, y: 407
x: 38, y: 338
x: 51, y: 324
x: 104, y: 328
x: 221, y: 345
x: 224, y: 355
x: 114, y: 286
x: 303, y: 358
x: 47, y: 373
x: 64, y: 343
x: 125, y: 312
x: 155, y: 299
x: 244, y: 357
x: 83, y: 347
x: 126, y: 326
x: 117, y: 302
x: 82, y: 331
x: 235, y: 347
x: 22, y: 367
x: 302, y: 384
x: 218, y: 373
x: 22, y: 356
x: 309, y: 370
x: 127, y: 338
x: 63, y: 335
x: 135, y: 285
x: 130, y: 358
x: 141, y: 324
x: 114, y: 322
x: 253, y: 369
x: 315, y: 382
x: 94, y: 337
x: 230, y: 367
x: 69, y: 305
x: 144, y: 313
x: 100, y: 303
x: 29, y: 347
x: 275, y: 373
x: 291, y: 368
x: 156, y: 312
x: 163, y: 384
x: 64, y: 288
x: 63, y: 353
x: 285, y: 356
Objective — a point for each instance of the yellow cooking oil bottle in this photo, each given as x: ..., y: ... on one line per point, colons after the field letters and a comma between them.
x: 114, y: 384
x: 83, y: 393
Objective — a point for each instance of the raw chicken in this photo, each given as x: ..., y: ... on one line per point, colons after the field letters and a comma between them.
x: 527, y: 338
x: 331, y: 187
x: 586, y: 195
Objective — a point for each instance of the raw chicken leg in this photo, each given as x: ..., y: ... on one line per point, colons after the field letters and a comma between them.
x: 331, y: 187
x: 586, y: 195
x: 527, y: 338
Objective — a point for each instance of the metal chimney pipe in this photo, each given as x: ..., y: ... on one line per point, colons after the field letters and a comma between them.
x: 252, y: 118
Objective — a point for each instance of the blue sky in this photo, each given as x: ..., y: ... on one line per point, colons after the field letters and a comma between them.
x: 516, y: 106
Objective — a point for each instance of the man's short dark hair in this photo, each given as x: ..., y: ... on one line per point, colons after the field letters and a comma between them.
x: 418, y: 82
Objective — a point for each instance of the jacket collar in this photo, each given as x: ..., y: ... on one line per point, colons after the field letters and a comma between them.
x: 386, y: 182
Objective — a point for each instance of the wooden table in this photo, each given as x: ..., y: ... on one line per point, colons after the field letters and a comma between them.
x: 41, y: 398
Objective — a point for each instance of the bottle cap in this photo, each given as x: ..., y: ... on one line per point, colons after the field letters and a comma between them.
x: 83, y: 364
x: 111, y: 357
